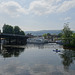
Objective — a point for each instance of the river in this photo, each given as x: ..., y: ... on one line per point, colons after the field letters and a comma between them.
x: 41, y: 59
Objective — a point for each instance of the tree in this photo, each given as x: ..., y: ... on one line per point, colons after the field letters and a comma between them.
x: 45, y: 36
x: 67, y: 34
x: 17, y: 30
x: 73, y: 40
x: 8, y: 29
x: 60, y: 35
x: 66, y: 31
x: 48, y: 35
x: 22, y: 32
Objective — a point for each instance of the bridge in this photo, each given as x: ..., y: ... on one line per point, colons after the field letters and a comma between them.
x: 13, y: 39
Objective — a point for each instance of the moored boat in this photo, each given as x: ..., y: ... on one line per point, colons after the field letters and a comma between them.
x: 36, y: 40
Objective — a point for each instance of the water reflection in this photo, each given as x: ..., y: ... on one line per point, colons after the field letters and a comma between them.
x: 68, y: 56
x: 44, y: 46
x: 37, y: 60
x: 10, y: 51
x: 39, y: 46
x: 37, y: 69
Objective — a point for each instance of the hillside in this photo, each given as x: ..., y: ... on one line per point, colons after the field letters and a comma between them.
x: 41, y: 32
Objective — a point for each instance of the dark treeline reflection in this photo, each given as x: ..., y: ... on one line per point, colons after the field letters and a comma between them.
x: 10, y: 51
x: 68, y: 57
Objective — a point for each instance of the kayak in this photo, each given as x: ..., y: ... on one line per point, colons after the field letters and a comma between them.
x: 56, y: 50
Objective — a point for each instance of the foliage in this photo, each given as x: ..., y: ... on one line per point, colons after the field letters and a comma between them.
x: 67, y: 35
x: 16, y: 30
x: 8, y: 29
x: 22, y: 32
x: 73, y: 40
x: 67, y: 32
x: 47, y: 36
x: 60, y: 35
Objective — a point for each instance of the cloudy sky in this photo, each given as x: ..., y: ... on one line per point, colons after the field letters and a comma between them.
x: 33, y: 15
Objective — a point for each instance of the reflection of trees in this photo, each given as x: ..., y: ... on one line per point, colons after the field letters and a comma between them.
x: 11, y: 51
x: 68, y: 57
x: 0, y: 48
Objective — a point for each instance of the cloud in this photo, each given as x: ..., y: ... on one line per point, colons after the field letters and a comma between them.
x: 66, y: 5
x: 51, y: 6
x: 38, y: 7
x: 67, y: 18
x: 43, y: 6
x: 12, y: 8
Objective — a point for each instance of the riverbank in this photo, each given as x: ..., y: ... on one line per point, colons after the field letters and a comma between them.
x: 69, y: 47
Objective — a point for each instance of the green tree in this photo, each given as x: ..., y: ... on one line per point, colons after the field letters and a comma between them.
x: 8, y: 29
x: 73, y: 40
x: 48, y: 35
x: 60, y: 35
x: 45, y: 36
x: 17, y: 30
x: 22, y: 32
x: 67, y: 34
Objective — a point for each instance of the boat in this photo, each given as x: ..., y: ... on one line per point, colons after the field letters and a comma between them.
x: 59, y: 42
x: 56, y: 50
x: 36, y: 40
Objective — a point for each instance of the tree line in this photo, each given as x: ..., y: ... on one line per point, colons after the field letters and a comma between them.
x: 8, y: 29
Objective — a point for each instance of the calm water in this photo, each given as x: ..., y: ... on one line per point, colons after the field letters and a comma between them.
x: 37, y: 60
